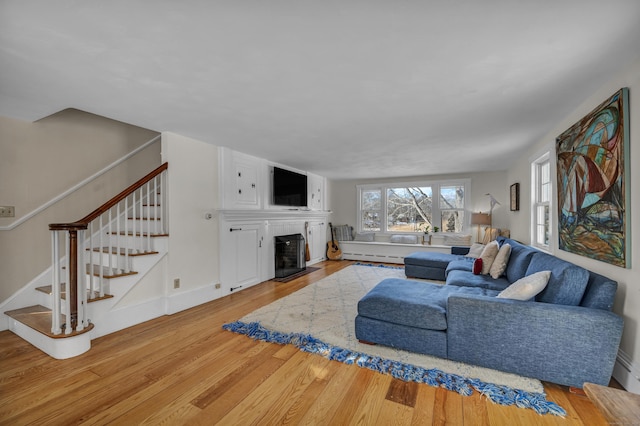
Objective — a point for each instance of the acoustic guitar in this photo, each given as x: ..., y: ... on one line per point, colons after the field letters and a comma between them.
x: 307, y: 253
x: 333, y: 251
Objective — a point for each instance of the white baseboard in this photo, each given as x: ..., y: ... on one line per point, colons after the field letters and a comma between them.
x: 627, y: 373
x: 188, y: 299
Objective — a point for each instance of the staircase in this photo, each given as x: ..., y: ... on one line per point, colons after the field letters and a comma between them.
x: 96, y: 261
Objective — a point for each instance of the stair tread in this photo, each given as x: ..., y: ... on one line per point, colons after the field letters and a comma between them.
x: 38, y: 318
x: 130, y: 252
x: 48, y: 289
x: 138, y: 234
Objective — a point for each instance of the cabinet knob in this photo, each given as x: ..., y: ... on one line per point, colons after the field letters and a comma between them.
x: 239, y: 174
x: 239, y: 191
x: 253, y: 185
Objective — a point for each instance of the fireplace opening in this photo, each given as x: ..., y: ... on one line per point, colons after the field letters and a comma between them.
x: 289, y: 255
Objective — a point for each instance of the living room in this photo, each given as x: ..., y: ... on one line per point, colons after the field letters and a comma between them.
x: 194, y: 187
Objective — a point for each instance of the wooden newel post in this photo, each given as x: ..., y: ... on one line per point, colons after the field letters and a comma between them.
x: 72, y: 285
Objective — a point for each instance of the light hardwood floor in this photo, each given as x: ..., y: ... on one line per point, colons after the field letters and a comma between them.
x: 184, y: 369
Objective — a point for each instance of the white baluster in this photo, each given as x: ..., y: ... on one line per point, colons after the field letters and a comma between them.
x: 110, y: 219
x: 126, y: 248
x: 81, y: 289
x: 67, y: 299
x: 148, y: 227
x: 55, y: 289
x: 133, y: 233
x: 101, y: 261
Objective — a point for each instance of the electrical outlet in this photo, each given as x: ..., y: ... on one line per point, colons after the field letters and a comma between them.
x: 176, y: 283
x: 218, y: 286
x: 7, y: 211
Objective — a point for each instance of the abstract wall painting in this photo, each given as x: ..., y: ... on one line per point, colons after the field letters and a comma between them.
x: 594, y: 184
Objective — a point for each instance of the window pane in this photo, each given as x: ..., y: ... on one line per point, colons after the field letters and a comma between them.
x: 452, y: 197
x: 371, y: 199
x: 408, y: 209
x: 452, y: 220
x: 370, y: 221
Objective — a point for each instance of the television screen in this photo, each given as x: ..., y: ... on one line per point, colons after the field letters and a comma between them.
x: 289, y: 188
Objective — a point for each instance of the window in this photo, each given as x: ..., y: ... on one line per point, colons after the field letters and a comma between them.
x: 371, y: 209
x: 409, y: 207
x: 541, y: 202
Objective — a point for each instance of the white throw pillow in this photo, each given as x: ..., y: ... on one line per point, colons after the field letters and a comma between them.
x: 527, y: 287
x: 365, y: 236
x: 488, y: 255
x: 501, y: 261
x: 475, y: 250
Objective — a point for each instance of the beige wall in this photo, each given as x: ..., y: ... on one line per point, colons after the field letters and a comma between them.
x: 628, y: 296
x: 192, y: 192
x: 343, y: 196
x: 41, y: 160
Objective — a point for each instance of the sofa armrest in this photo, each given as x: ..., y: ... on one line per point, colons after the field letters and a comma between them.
x: 568, y: 345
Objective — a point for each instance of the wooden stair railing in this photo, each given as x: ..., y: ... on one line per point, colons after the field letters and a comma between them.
x: 123, y: 227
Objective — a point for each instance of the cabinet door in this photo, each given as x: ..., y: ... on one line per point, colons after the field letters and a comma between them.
x: 317, y: 241
x: 241, y: 180
x: 241, y: 255
x: 246, y: 176
x: 315, y: 192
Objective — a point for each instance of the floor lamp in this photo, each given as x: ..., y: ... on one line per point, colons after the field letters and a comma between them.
x: 480, y: 219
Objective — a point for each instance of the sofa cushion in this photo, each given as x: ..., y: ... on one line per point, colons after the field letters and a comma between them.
x: 600, y: 292
x: 488, y: 255
x: 365, y: 237
x: 526, y: 287
x: 468, y: 279
x: 500, y: 263
x: 475, y: 250
x: 412, y: 303
x: 567, y: 282
x: 464, y: 264
x: 519, y: 260
x: 403, y: 239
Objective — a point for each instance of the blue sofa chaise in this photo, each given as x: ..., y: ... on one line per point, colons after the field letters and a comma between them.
x: 567, y: 334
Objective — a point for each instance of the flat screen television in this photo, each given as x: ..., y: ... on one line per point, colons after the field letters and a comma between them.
x: 289, y: 188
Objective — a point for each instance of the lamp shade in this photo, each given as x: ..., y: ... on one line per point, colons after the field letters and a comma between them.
x: 480, y: 219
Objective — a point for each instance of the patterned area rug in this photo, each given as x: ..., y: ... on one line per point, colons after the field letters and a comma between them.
x: 320, y: 319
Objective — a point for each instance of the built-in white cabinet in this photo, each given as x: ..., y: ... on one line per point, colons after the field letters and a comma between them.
x: 242, y: 180
x: 315, y: 191
x: 241, y: 254
x: 249, y: 221
x: 317, y: 240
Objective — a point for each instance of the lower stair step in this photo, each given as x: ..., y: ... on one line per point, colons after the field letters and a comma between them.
x: 123, y: 251
x: 107, y: 272
x: 38, y: 318
x: 92, y: 296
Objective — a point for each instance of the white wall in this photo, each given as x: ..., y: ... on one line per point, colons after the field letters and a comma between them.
x: 343, y: 196
x: 193, y: 240
x: 628, y: 296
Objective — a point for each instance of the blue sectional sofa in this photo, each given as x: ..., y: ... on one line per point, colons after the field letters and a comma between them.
x: 567, y: 334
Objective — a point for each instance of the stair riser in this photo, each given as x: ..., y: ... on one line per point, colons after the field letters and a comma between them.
x: 153, y: 226
x: 129, y: 241
x: 115, y: 261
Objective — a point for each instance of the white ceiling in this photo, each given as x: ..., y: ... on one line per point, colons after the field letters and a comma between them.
x: 345, y: 89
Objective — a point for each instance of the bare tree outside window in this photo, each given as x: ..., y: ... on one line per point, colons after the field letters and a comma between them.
x: 409, y: 209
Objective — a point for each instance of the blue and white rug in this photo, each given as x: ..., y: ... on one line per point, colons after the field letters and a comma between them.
x: 320, y: 319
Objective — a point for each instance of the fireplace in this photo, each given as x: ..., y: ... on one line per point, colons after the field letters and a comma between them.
x: 289, y: 255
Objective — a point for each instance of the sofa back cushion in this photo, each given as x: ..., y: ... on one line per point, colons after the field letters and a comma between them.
x: 519, y: 260
x: 600, y: 292
x: 567, y: 283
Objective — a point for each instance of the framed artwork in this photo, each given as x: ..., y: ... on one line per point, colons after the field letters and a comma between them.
x: 593, y: 183
x: 514, y: 197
